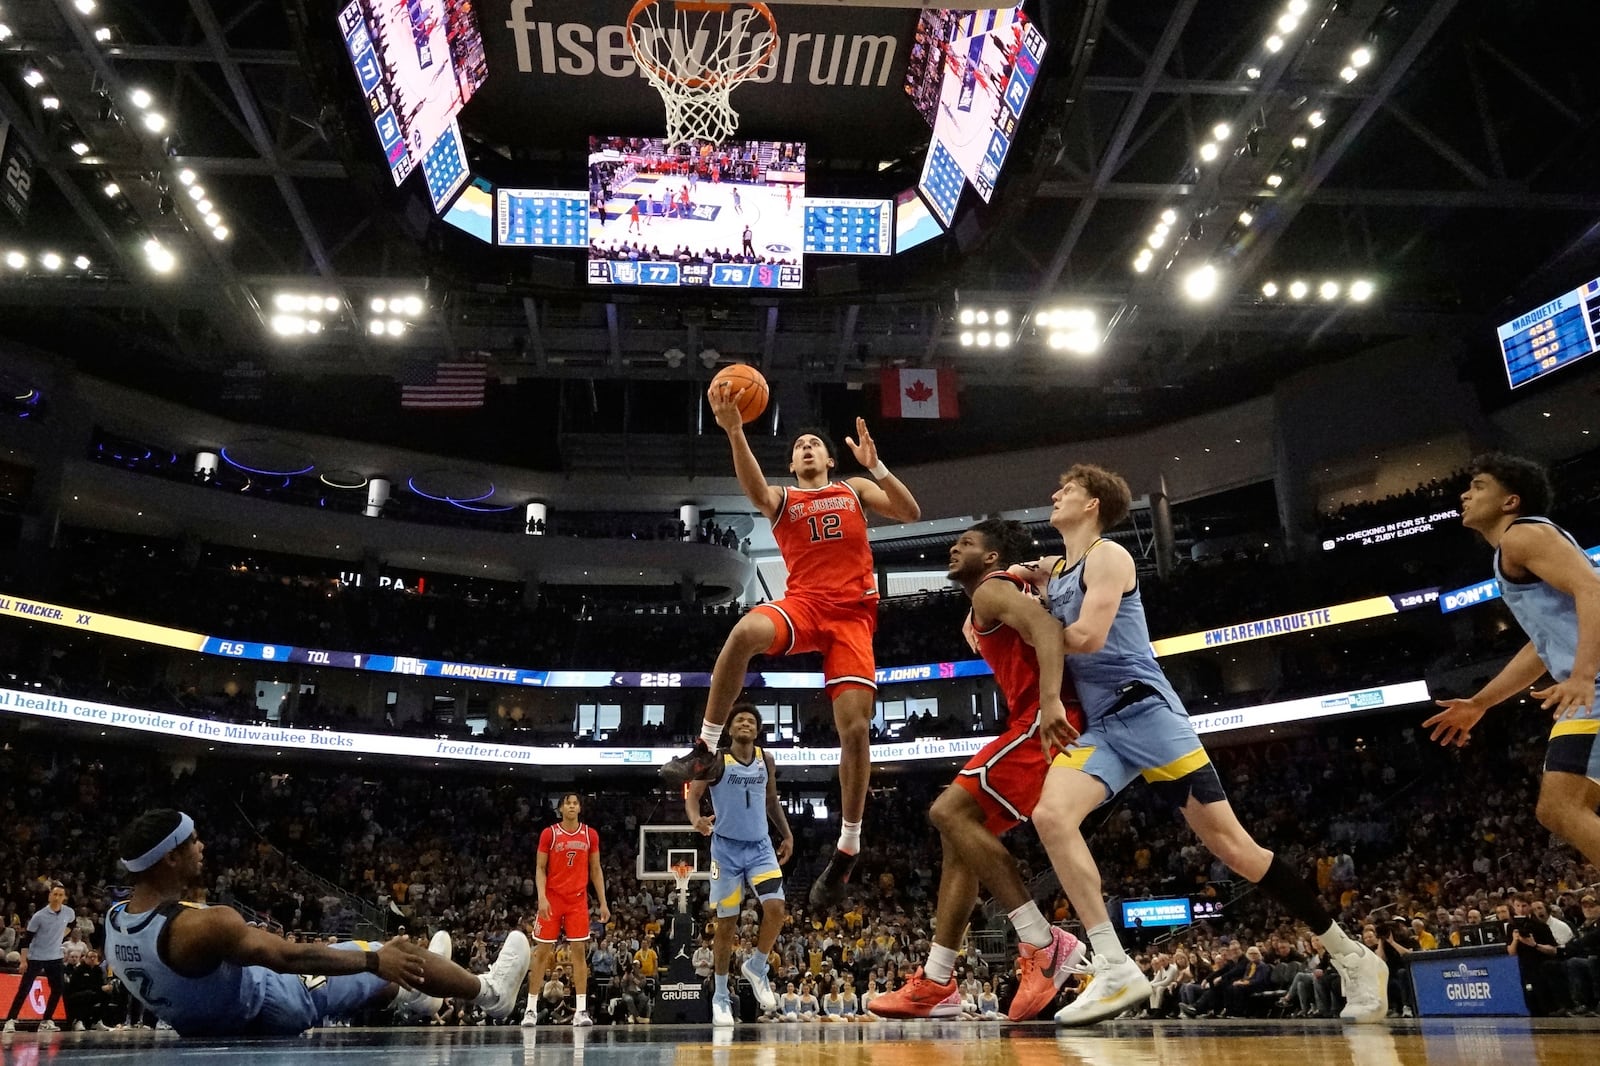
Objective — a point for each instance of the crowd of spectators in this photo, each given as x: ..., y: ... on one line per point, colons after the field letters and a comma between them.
x: 1411, y: 845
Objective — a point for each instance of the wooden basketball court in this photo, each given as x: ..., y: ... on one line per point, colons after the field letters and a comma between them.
x: 1503, y: 1042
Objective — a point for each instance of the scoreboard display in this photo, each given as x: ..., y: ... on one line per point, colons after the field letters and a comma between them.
x: 445, y: 167
x: 543, y: 218
x: 848, y: 227
x: 1549, y: 337
x: 942, y: 182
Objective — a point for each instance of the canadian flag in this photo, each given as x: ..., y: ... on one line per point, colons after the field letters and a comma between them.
x: 920, y: 393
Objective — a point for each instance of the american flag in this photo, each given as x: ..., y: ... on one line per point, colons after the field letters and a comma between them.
x: 442, y: 386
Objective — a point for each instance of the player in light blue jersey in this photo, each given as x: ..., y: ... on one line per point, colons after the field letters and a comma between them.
x: 744, y: 798
x: 1138, y: 727
x: 1554, y: 594
x: 206, y: 973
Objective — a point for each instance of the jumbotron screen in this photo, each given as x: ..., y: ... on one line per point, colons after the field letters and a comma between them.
x: 418, y: 62
x: 733, y: 217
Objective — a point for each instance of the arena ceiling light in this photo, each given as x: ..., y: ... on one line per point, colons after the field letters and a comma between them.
x: 140, y: 98
x: 33, y: 78
x: 1316, y: 119
x: 158, y: 257
x: 50, y: 103
x: 16, y: 260
x: 1357, y: 290
x: 1070, y: 329
x: 1201, y: 283
x: 103, y: 34
x: 5, y: 32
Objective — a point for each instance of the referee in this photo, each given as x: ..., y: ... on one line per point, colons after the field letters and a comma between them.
x: 41, y: 953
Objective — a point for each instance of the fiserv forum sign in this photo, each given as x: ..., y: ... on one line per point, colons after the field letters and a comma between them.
x: 561, y: 71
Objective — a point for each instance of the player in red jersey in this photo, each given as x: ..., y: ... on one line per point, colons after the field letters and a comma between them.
x: 830, y: 605
x: 997, y: 789
x: 569, y: 861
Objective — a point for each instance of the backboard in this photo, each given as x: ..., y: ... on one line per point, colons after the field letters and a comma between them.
x: 662, y: 845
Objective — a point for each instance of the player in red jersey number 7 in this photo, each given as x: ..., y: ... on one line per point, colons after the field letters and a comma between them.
x: 830, y: 605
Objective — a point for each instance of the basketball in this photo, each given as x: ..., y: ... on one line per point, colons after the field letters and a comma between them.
x: 754, y: 386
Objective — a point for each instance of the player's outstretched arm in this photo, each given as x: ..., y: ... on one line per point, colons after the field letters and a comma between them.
x: 725, y: 406
x: 887, y: 494
x: 1108, y: 573
x: 1453, y: 725
x: 200, y: 939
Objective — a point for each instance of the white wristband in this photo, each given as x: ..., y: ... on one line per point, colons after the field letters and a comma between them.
x: 880, y: 471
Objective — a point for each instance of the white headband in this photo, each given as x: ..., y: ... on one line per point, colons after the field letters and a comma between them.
x: 184, y: 831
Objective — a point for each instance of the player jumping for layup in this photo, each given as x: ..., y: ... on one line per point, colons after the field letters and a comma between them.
x: 1138, y: 728
x: 744, y: 798
x: 1554, y: 594
x: 568, y: 862
x: 831, y: 606
x: 997, y: 789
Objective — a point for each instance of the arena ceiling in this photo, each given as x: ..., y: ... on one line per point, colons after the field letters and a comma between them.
x: 1453, y: 170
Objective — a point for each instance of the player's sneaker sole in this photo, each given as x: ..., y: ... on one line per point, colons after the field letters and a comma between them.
x: 698, y: 763
x: 829, y: 888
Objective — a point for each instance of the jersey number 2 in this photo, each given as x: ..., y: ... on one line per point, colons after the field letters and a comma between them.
x: 831, y: 527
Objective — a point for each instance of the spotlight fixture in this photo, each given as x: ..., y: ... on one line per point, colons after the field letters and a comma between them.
x: 1348, y: 74
x: 1270, y: 289
x: 379, y: 305
x: 1298, y: 7
x: 1221, y: 131
x: 79, y: 148
x: 16, y: 260
x: 1002, y: 339
x: 1274, y: 180
x: 85, y: 7
x: 1274, y: 44
x: 50, y: 261
x: 1208, y: 152
x: 1328, y: 290
x: 1169, y: 217
x: 1298, y: 141
x: 1298, y: 290
x: 1002, y: 317
x: 220, y: 233
x: 968, y: 316
x: 140, y: 98
x: 103, y: 34
x: 1288, y: 22
x: 33, y: 78
x: 50, y: 103
x: 1316, y: 119
x: 394, y: 327
x: 1361, y: 290
x: 186, y: 176
x: 375, y: 327
x: 213, y: 220
x: 81, y: 262
x: 1201, y: 283
x: 160, y: 259
x: 966, y: 338
x: 985, y: 338
x: 983, y: 318
x: 196, y: 193
x: 154, y: 122
x: 1253, y: 73
x: 203, y: 206
x: 5, y: 32
x: 1245, y: 218
x: 1360, y: 57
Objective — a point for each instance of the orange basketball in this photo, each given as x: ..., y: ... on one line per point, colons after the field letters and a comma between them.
x: 752, y: 398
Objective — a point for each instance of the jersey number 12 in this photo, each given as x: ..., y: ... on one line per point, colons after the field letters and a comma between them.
x: 831, y: 527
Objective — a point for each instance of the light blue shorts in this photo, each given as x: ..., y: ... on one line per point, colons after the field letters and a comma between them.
x: 294, y: 1004
x: 1149, y: 739
x: 736, y: 863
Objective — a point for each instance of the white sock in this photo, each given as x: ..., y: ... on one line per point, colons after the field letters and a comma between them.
x: 1337, y: 941
x: 1105, y: 942
x: 849, y: 837
x: 940, y: 965
x: 1030, y: 925
x: 711, y: 734
x: 583, y: 1001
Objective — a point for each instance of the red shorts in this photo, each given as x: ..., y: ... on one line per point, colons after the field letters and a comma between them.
x: 570, y: 916
x: 1007, y: 774
x: 842, y: 632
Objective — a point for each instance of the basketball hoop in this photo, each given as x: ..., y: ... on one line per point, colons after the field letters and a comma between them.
x: 696, y: 55
x: 681, y: 872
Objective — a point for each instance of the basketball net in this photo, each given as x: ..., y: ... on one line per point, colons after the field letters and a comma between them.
x: 681, y: 872
x: 696, y: 54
